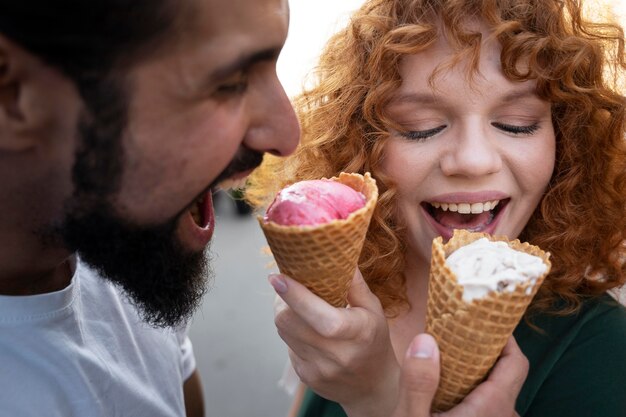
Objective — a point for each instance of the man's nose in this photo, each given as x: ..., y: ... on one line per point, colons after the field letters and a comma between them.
x: 274, y: 126
x: 474, y: 152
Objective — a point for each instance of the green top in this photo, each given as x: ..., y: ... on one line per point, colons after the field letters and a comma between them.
x: 577, y: 367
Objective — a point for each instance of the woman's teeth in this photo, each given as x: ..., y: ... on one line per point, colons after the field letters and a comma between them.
x: 467, y: 208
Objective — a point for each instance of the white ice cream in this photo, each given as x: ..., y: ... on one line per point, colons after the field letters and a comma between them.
x: 484, y: 266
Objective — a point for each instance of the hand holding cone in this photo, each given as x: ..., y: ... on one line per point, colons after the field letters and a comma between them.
x: 324, y: 257
x: 471, y: 335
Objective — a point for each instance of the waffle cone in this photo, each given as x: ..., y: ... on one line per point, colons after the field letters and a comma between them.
x: 324, y: 257
x: 471, y: 335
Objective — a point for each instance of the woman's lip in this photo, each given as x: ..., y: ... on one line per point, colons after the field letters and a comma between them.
x: 465, y: 197
x: 194, y: 237
x: 446, y: 232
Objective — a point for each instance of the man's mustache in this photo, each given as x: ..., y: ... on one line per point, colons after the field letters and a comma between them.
x: 244, y: 160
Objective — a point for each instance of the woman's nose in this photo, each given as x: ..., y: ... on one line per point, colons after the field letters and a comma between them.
x: 474, y: 152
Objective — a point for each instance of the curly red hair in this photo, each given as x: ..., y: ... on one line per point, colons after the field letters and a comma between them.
x: 581, y: 218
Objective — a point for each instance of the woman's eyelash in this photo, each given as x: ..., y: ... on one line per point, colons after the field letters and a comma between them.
x: 422, y: 134
x: 514, y: 129
x: 517, y: 130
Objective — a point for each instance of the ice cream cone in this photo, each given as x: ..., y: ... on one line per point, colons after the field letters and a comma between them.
x: 324, y: 257
x: 471, y: 335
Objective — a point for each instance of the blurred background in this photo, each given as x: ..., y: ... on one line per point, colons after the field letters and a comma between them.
x: 240, y: 357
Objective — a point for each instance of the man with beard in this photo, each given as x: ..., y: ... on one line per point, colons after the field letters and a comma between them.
x: 117, y: 119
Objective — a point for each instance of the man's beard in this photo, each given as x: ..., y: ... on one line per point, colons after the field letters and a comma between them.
x: 161, y: 278
x: 164, y: 280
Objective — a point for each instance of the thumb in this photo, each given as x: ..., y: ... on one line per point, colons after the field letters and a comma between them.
x: 360, y: 295
x: 420, y: 378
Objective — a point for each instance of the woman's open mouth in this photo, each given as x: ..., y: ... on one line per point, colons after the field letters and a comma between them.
x: 475, y: 217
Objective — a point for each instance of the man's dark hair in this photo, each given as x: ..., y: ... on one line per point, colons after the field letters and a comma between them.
x: 86, y: 38
x: 92, y: 42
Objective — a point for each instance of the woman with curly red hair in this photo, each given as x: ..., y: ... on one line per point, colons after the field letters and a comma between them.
x: 501, y: 116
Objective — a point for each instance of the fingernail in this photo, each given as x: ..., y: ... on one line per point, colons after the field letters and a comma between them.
x: 279, y: 283
x: 423, y: 347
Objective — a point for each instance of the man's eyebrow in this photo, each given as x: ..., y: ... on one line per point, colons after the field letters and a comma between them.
x: 243, y: 63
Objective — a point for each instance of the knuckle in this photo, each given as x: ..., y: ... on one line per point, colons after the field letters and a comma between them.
x: 494, y: 401
x: 282, y: 334
x: 379, y: 305
x: 310, y: 373
x: 361, y: 285
x: 521, y: 373
x: 345, y: 360
x: 304, y: 373
x: 368, y: 333
x: 524, y: 366
x: 282, y: 319
x: 478, y: 405
x: 333, y: 328
x: 327, y: 373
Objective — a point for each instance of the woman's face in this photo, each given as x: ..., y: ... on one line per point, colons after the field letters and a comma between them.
x: 471, y: 154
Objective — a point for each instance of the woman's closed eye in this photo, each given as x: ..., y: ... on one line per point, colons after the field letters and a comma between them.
x: 517, y: 129
x: 422, y: 134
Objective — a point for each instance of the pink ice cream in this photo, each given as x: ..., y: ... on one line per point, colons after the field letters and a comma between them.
x: 314, y: 202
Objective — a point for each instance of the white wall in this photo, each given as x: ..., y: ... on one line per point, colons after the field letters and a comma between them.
x: 312, y: 22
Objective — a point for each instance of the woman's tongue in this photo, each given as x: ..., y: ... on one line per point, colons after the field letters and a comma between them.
x: 455, y: 220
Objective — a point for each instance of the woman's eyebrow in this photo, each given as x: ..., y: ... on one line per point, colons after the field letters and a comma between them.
x: 515, y: 95
x: 421, y: 98
x: 415, y: 98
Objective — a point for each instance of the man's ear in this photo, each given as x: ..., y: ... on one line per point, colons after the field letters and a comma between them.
x: 17, y: 117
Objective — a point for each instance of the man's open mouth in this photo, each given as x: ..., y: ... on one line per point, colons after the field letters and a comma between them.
x: 199, y: 210
x: 202, y: 209
x: 474, y: 217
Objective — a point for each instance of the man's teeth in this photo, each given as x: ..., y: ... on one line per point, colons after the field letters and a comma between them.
x: 234, y: 184
x: 467, y: 208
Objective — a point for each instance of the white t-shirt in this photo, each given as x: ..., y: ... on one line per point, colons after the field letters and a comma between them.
x: 84, y: 352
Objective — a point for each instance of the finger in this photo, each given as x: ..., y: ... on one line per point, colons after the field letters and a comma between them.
x: 299, y: 336
x: 420, y: 378
x: 308, y: 372
x: 288, y: 322
x: 279, y: 305
x: 317, y: 313
x: 511, y: 369
x: 305, y: 352
x: 497, y: 395
x: 359, y: 294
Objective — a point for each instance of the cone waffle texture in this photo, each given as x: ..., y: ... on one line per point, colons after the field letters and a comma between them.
x: 324, y: 257
x: 471, y: 335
